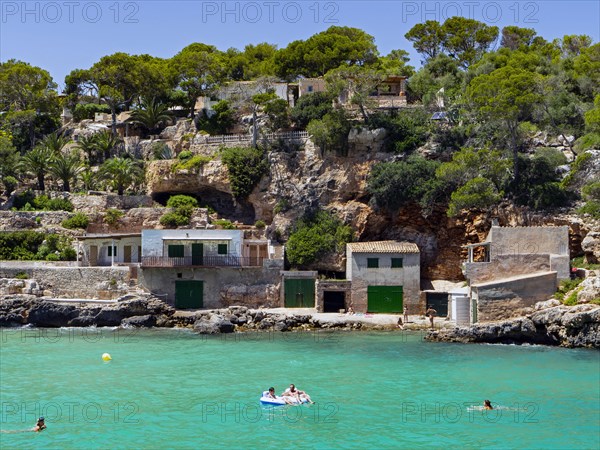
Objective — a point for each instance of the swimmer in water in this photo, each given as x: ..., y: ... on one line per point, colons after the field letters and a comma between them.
x: 487, y: 404
x: 39, y: 426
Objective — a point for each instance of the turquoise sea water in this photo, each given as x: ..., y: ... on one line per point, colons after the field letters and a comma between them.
x: 175, y: 389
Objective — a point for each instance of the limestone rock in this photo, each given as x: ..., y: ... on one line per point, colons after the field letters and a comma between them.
x: 546, y: 304
x: 589, y: 290
x: 591, y: 247
x: 576, y: 326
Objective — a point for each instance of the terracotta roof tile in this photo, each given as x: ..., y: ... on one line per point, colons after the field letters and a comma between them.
x: 383, y: 247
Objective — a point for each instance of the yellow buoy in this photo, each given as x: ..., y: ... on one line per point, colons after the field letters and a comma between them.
x: 106, y: 357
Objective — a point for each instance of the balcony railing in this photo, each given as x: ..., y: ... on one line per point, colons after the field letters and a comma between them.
x: 205, y: 261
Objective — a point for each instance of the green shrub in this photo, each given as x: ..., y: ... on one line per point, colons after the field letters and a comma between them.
x: 79, y: 220
x: 592, y: 208
x: 185, y: 155
x: 281, y: 206
x: 58, y: 245
x: 566, y: 286
x: 309, y: 107
x: 591, y: 191
x: 315, y: 236
x: 174, y: 219
x: 27, y: 202
x: 588, y: 141
x: 580, y: 163
x: 260, y: 224
x: 579, y: 262
x: 176, y: 201
x: 478, y: 193
x: 22, y: 199
x: 571, y: 300
x: 554, y: 156
x: 88, y: 111
x: 52, y: 257
x: 112, y: 216
x: 193, y: 163
x: 10, y: 183
x: 225, y: 224
x: 246, y: 166
x: 22, y: 276
x: 31, y: 245
x: 393, y: 184
x: 20, y: 245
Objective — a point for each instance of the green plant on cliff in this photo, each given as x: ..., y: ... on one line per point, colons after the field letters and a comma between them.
x: 314, y: 236
x: 565, y: 287
x: 591, y: 194
x: 246, y: 166
x: 225, y: 224
x: 31, y: 245
x: 79, y: 220
x: 112, y: 216
x: 188, y: 162
x: 178, y: 201
x: 183, y: 208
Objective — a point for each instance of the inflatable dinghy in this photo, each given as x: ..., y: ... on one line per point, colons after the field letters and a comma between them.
x: 265, y: 399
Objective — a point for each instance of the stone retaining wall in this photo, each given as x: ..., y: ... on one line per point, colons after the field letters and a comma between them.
x: 73, y: 282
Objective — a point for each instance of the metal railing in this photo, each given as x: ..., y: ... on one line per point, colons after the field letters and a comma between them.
x: 205, y: 261
x: 245, y: 138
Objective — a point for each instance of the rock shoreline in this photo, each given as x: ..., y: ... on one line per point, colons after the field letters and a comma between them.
x: 149, y: 311
x: 565, y: 326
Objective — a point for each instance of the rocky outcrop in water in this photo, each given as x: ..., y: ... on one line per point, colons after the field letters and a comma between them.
x: 132, y: 310
x: 565, y: 326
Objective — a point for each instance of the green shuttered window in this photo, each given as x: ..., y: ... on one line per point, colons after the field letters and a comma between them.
x: 396, y: 263
x: 175, y: 251
x: 372, y: 263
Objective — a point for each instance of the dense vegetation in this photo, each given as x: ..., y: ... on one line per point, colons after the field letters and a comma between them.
x: 495, y: 102
x: 33, y: 245
x: 315, y: 236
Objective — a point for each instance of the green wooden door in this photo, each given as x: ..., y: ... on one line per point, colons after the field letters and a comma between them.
x: 197, y: 254
x: 299, y: 293
x: 473, y: 310
x: 384, y: 299
x: 189, y: 294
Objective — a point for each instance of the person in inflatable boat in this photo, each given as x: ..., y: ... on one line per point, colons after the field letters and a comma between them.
x: 297, y: 394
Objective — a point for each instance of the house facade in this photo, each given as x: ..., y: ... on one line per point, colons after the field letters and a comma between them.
x: 201, y: 268
x: 514, y: 268
x: 385, y: 276
x: 108, y: 249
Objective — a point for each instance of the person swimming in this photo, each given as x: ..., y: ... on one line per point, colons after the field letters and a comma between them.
x: 487, y: 404
x: 40, y: 425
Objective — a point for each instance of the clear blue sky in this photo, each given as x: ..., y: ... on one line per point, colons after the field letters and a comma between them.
x: 60, y: 36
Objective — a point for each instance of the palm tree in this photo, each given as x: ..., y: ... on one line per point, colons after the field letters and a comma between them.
x: 151, y: 114
x: 88, y: 178
x: 120, y: 173
x: 89, y: 145
x: 66, y: 167
x: 54, y: 142
x: 38, y: 162
x: 106, y: 143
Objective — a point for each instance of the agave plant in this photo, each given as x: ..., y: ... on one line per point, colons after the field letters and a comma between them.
x: 151, y: 114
